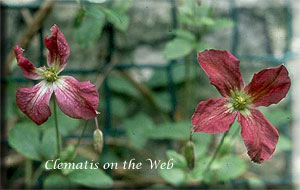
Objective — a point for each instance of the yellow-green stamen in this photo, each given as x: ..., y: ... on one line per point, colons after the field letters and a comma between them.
x: 50, y: 75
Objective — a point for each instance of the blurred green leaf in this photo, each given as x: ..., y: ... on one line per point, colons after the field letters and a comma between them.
x: 91, y: 27
x: 118, y: 19
x: 185, y: 34
x: 202, y: 142
x: 220, y: 23
x: 179, y: 72
x: 54, y: 181
x: 163, y: 100
x: 122, y: 86
x: 24, y: 138
x: 174, y: 176
x: 121, y: 5
x: 94, y: 178
x: 178, y: 48
x: 284, y: 144
x: 175, y: 131
x: 231, y: 167
x: 256, y: 183
x: 119, y: 108
x: 96, y: 1
x: 138, y: 129
x: 278, y: 116
x: 204, y: 21
x: 178, y: 159
x: 201, y: 164
x: 48, y: 147
x: 202, y: 46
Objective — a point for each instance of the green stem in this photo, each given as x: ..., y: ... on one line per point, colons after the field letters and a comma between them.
x: 215, y: 153
x: 82, y: 133
x: 28, y: 173
x: 56, y: 129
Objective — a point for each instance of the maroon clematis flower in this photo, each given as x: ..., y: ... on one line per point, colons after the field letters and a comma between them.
x: 76, y: 99
x: 216, y: 115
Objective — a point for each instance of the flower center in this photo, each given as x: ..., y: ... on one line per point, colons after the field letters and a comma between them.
x: 239, y: 101
x: 50, y: 75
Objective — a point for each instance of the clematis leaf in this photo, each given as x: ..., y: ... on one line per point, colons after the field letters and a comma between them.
x: 118, y: 19
x: 48, y: 146
x: 91, y: 27
x: 185, y: 34
x: 178, y: 48
x: 178, y: 159
x: 57, y: 181
x: 24, y: 138
x: 138, y: 135
x: 174, y: 176
x: 94, y: 178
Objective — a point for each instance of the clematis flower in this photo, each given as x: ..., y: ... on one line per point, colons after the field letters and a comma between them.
x: 216, y: 115
x: 76, y: 99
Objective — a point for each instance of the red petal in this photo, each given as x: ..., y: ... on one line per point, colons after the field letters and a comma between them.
x: 212, y: 116
x: 76, y: 99
x: 58, y: 47
x: 28, y: 69
x: 223, y: 70
x: 259, y: 135
x: 34, y: 101
x: 269, y: 86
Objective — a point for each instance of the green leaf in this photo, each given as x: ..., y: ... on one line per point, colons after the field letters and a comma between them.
x: 96, y: 1
x: 121, y: 5
x: 178, y: 48
x: 278, y: 116
x: 55, y: 181
x: 138, y: 134
x: 284, y: 144
x: 202, y: 46
x: 184, y: 34
x: 202, y: 142
x: 119, y: 108
x: 118, y: 19
x: 24, y: 138
x: 170, y: 130
x: 66, y: 124
x: 94, y: 178
x: 48, y: 147
x: 91, y: 27
x: 174, y: 176
x: 220, y: 23
x: 122, y: 86
x: 204, y: 21
x: 163, y: 100
x: 231, y: 167
x: 178, y: 159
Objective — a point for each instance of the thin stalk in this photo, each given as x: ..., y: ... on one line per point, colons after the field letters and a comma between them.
x: 81, y: 135
x: 28, y: 173
x: 56, y: 129
x: 215, y: 153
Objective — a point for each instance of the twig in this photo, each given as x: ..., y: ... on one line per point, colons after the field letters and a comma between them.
x: 31, y: 30
x: 146, y: 93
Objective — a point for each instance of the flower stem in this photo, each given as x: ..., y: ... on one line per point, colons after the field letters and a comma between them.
x: 56, y: 129
x: 82, y: 133
x: 215, y: 153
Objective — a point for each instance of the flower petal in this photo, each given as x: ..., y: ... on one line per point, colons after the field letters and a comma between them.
x: 212, y: 116
x: 260, y: 137
x: 58, y: 47
x: 28, y: 69
x: 34, y: 101
x: 223, y: 70
x: 76, y: 99
x: 269, y: 86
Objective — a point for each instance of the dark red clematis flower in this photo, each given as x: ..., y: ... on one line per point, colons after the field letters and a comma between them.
x: 76, y: 99
x: 216, y: 115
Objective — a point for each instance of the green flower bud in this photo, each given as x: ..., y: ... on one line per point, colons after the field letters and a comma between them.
x: 98, y: 141
x: 189, y: 154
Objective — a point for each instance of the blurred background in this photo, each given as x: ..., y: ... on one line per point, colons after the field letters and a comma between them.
x: 141, y: 54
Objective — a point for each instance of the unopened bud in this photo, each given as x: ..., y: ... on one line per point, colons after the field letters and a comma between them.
x: 98, y: 141
x: 189, y: 154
